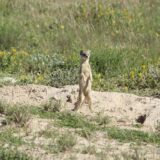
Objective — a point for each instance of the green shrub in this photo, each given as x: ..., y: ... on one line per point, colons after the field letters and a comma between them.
x: 62, y: 77
x: 121, y: 36
x: 145, y: 76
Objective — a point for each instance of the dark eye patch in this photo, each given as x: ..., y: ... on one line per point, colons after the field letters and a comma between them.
x: 83, y: 54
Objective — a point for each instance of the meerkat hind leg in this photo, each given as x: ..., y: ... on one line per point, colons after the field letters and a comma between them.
x: 79, y: 102
x: 89, y: 100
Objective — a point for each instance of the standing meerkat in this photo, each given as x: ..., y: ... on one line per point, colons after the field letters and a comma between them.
x: 85, y: 81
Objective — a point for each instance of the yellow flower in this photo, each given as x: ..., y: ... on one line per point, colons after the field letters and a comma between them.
x: 126, y: 88
x: 130, y: 19
x: 13, y: 50
x: 132, y: 74
x: 117, y: 31
x: 62, y: 27
x: 157, y: 34
x: 39, y: 78
x: 2, y: 54
x: 140, y: 75
x: 143, y: 67
x: 23, y: 78
x: 125, y: 11
x: 99, y: 6
x: 24, y: 53
x: 114, y: 22
x: 112, y: 11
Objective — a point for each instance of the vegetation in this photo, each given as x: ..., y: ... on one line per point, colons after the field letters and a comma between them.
x: 102, y: 120
x: 19, y: 114
x: 8, y: 154
x: 74, y: 121
x: 60, y: 142
x: 39, y: 43
x: 89, y: 150
x: 7, y: 137
x: 52, y: 105
x: 37, y: 46
x: 125, y: 135
x: 84, y: 126
x: 65, y: 142
x: 88, y: 127
x: 61, y: 134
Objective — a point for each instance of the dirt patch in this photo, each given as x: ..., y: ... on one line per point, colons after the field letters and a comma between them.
x: 124, y: 109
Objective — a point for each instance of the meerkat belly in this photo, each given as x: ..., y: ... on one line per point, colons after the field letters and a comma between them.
x: 84, y: 80
x: 86, y: 72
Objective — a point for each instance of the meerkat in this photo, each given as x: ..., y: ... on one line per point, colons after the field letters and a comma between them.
x: 85, y: 81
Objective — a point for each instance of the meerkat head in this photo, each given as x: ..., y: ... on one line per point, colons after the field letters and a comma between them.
x: 85, y: 55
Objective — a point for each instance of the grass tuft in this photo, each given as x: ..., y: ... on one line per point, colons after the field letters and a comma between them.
x: 62, y: 143
x: 125, y: 135
x: 68, y: 119
x: 8, y: 154
x: 7, y: 137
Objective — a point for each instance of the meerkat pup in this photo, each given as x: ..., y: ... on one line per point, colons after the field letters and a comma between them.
x: 85, y: 81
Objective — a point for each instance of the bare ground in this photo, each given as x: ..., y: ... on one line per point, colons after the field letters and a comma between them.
x: 122, y: 108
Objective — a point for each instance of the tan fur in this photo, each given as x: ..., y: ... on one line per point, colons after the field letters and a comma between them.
x: 85, y: 81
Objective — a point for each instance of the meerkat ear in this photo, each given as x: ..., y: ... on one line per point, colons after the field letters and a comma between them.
x: 89, y: 53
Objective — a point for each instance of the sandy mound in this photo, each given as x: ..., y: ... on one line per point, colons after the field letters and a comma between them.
x: 124, y: 109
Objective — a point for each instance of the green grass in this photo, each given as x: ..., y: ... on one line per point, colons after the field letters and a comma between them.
x: 125, y: 135
x: 7, y: 137
x: 52, y: 105
x: 85, y: 132
x: 42, y: 46
x: 49, y: 133
x: 102, y: 120
x: 87, y: 127
x: 65, y: 119
x: 3, y: 106
x: 17, y: 114
x: 42, y: 113
x: 73, y: 120
x: 65, y: 142
x: 61, y: 143
x: 84, y: 127
x: 89, y: 150
x: 9, y: 154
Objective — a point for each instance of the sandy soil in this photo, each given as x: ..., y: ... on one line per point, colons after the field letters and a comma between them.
x: 123, y: 108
